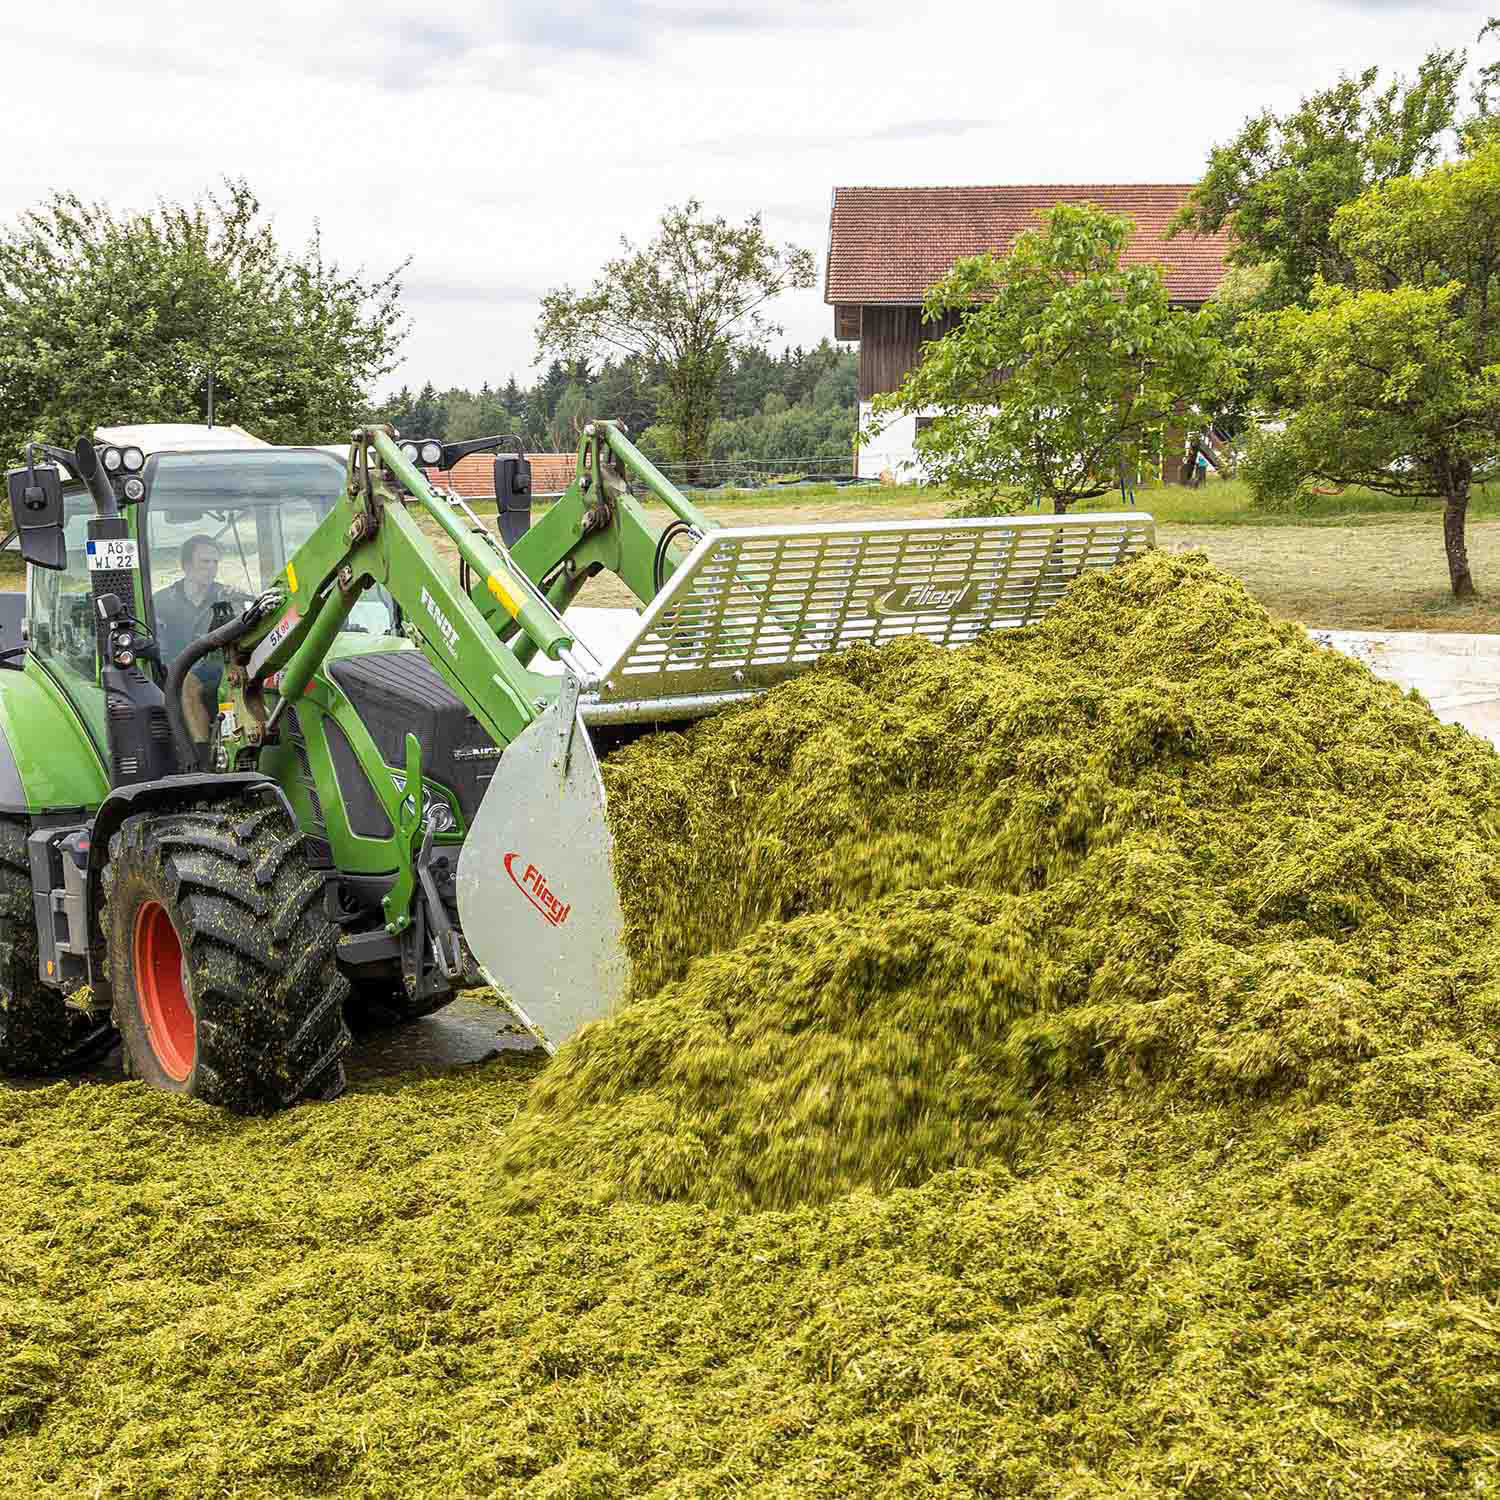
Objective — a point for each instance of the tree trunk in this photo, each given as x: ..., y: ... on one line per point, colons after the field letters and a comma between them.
x: 692, y: 405
x: 1455, y: 513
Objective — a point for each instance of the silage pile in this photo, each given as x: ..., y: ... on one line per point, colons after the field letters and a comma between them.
x: 904, y: 914
x: 1066, y: 1067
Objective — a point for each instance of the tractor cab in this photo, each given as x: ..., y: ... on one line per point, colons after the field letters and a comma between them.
x: 213, y: 514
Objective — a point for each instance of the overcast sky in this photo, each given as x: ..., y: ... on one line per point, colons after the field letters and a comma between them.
x: 505, y: 148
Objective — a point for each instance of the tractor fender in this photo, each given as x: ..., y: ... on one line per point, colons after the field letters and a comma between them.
x: 154, y: 796
x: 48, y: 762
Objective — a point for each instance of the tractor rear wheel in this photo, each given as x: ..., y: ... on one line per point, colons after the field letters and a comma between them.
x: 221, y: 958
x: 39, y: 1031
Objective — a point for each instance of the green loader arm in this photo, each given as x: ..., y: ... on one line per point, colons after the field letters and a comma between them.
x: 479, y: 639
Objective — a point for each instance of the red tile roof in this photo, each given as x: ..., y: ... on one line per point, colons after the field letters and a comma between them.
x: 890, y: 244
x: 474, y: 477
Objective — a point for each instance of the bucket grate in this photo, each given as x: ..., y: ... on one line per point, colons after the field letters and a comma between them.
x: 751, y: 606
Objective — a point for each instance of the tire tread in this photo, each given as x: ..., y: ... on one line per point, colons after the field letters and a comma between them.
x: 259, y: 949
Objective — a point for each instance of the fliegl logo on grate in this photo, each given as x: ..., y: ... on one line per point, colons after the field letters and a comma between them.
x: 926, y: 599
x: 533, y: 885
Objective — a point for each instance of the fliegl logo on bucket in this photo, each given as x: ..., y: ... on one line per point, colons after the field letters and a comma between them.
x: 925, y: 599
x: 533, y: 885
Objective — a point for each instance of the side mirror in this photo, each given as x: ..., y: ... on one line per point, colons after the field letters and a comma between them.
x: 513, y: 498
x: 36, y: 503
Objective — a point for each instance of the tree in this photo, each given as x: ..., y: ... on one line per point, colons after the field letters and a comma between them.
x: 1065, y: 366
x: 1279, y: 183
x: 473, y: 414
x: 686, y: 301
x: 109, y: 319
x: 1394, y: 383
x: 574, y: 409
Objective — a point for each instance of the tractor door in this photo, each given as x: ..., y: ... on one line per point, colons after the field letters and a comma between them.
x: 60, y: 620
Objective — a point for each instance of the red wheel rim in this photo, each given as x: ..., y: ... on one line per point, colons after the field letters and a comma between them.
x: 170, y: 1026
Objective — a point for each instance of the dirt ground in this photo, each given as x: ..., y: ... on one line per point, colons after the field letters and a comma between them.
x: 1386, y: 576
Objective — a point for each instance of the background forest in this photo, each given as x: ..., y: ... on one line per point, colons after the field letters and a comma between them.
x: 798, y: 405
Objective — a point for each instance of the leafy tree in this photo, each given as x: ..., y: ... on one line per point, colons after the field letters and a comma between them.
x: 627, y: 390
x: 1394, y: 383
x: 837, y: 386
x: 574, y: 409
x: 1065, y: 366
x: 1279, y: 183
x: 686, y: 301
x: 474, y: 414
x: 108, y: 319
x: 819, y: 426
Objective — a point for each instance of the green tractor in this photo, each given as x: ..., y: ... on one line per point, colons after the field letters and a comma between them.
x: 267, y: 759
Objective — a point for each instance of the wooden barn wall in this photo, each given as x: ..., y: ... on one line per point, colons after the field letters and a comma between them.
x: 890, y: 338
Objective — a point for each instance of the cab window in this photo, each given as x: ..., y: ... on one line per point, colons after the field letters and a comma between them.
x: 220, y: 526
x: 60, y: 614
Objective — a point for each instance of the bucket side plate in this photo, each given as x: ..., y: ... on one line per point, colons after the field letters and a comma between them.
x: 536, y: 889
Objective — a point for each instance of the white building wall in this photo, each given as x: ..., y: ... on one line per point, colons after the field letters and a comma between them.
x: 893, y: 451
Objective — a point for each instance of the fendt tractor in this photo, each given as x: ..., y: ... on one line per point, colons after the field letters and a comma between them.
x: 267, y: 758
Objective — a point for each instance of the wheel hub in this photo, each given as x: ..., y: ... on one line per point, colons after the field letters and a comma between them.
x: 171, y: 1027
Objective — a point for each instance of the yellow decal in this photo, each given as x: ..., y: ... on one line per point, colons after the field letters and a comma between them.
x: 291, y: 577
x: 503, y: 594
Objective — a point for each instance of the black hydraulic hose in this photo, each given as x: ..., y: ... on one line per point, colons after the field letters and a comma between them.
x: 183, y: 663
x: 659, y: 562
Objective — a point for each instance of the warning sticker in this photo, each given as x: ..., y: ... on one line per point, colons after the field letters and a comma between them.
x: 109, y: 553
x: 503, y: 594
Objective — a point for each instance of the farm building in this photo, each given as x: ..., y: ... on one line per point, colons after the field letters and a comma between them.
x: 887, y: 245
x: 474, y: 477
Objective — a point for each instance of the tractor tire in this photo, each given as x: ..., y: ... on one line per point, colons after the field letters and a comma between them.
x: 383, y: 1004
x: 221, y: 958
x: 40, y: 1032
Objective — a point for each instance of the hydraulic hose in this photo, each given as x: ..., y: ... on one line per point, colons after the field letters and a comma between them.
x: 183, y: 663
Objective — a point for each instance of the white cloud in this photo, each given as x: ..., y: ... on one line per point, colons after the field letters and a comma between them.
x: 506, y: 148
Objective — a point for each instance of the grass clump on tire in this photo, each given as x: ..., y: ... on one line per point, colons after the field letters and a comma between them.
x: 221, y: 958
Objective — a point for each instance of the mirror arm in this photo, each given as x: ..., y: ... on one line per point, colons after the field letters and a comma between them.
x: 60, y: 456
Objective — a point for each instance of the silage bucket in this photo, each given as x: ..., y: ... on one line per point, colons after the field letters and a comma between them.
x: 748, y: 608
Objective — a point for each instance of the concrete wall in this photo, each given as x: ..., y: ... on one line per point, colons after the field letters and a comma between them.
x: 893, y: 452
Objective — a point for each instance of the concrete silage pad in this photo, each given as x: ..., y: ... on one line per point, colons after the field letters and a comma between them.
x: 1458, y: 675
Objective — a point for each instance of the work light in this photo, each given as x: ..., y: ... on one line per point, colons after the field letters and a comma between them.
x: 132, y: 460
x: 112, y: 459
x: 432, y: 453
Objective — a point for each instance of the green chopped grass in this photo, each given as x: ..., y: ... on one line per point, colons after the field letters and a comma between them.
x: 1064, y: 1067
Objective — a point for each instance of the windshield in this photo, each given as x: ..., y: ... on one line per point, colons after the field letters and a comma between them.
x: 221, y: 526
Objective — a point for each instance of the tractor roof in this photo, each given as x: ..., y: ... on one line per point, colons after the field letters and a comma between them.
x: 177, y: 437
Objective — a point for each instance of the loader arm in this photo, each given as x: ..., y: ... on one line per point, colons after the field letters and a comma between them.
x: 479, y: 639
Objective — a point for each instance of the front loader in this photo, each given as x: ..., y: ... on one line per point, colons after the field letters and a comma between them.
x: 399, y: 792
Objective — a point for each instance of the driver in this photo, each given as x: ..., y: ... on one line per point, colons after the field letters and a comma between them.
x: 184, y: 612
